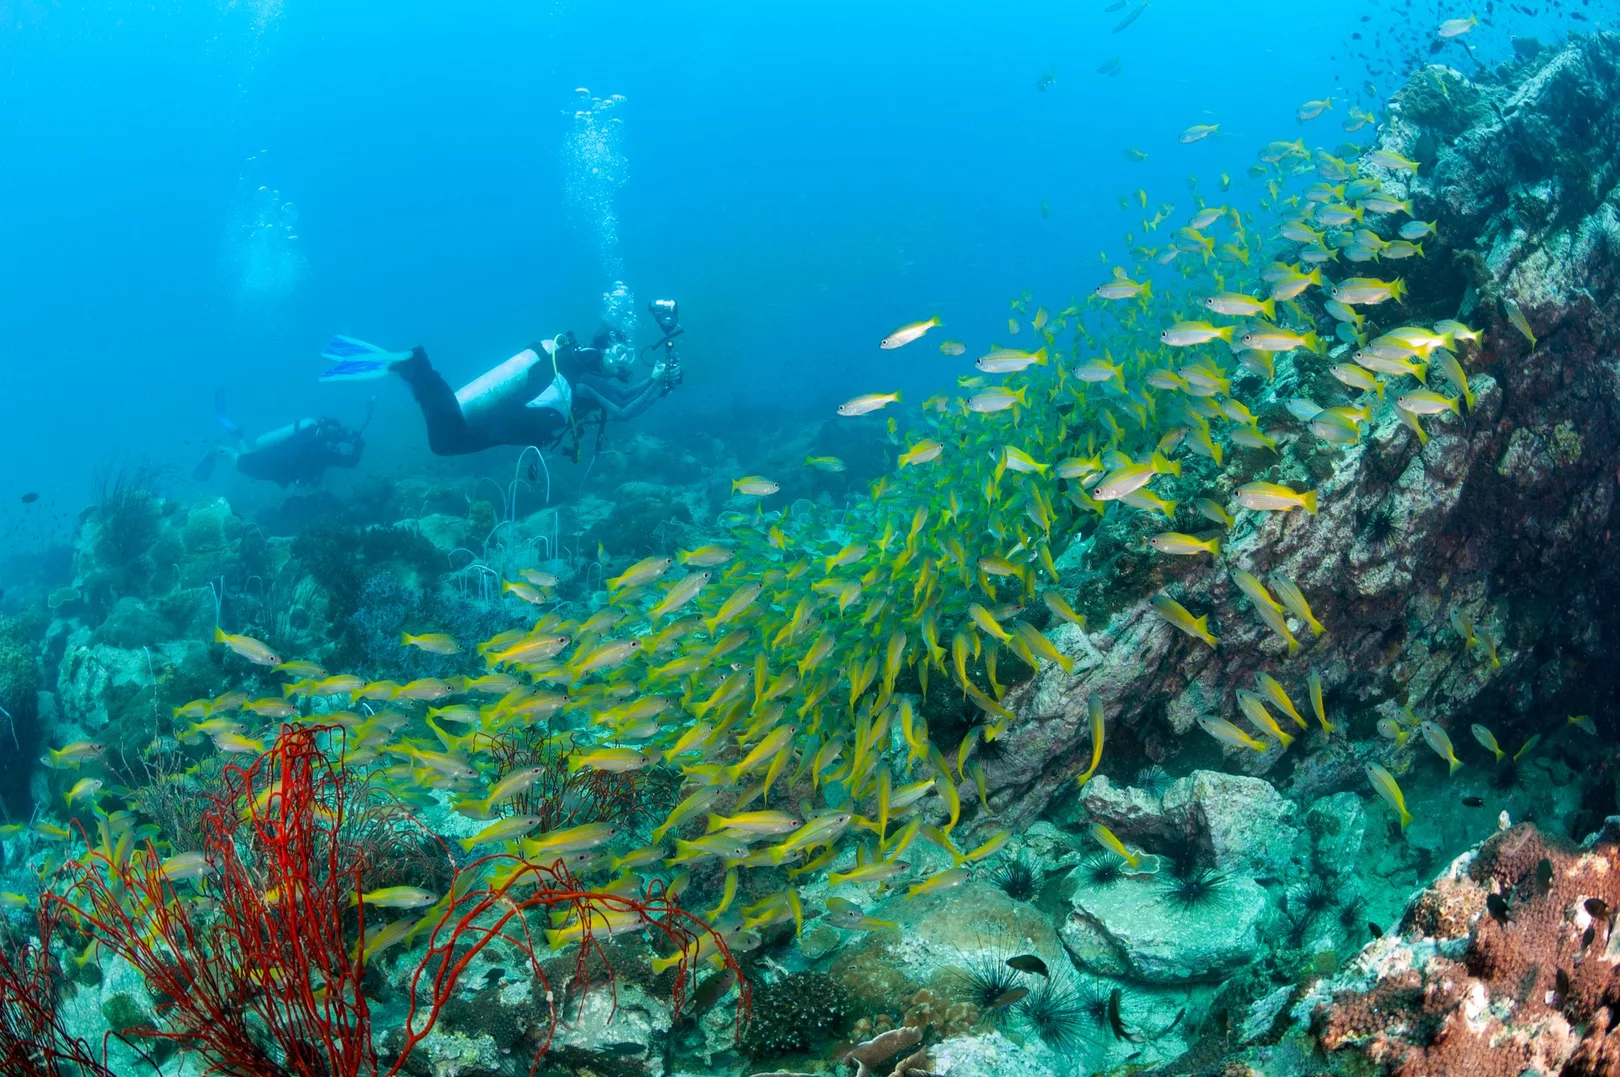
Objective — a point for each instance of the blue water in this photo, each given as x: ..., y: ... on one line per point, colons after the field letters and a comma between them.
x: 803, y: 177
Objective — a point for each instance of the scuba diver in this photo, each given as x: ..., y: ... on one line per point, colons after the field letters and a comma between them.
x: 546, y: 392
x: 296, y: 454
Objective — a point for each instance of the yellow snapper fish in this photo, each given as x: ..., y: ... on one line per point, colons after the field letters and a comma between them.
x: 1487, y: 740
x: 1315, y: 683
x: 255, y: 651
x: 1174, y: 542
x: 706, y: 556
x: 922, y: 452
x: 1294, y: 599
x: 1270, y: 497
x: 431, y: 642
x: 1186, y: 334
x: 1457, y: 27
x: 69, y: 756
x: 830, y: 464
x: 396, y: 897
x: 953, y: 347
x: 1227, y: 733
x: 1383, y: 782
x: 908, y: 333
x: 1176, y: 614
x: 1122, y: 287
x: 1010, y: 361
x: 1520, y: 322
x: 868, y: 403
x: 754, y: 486
x: 642, y: 572
x: 1367, y: 291
x: 1437, y: 739
x: 1234, y: 304
x: 1095, y: 709
x: 996, y: 398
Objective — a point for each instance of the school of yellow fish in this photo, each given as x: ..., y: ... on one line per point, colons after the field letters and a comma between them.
x: 779, y: 671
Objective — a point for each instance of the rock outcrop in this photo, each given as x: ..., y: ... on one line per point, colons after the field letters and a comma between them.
x: 1502, y: 519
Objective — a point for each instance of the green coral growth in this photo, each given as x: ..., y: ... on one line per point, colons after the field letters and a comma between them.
x: 794, y: 1014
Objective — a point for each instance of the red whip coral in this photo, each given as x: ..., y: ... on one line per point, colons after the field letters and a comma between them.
x: 265, y: 975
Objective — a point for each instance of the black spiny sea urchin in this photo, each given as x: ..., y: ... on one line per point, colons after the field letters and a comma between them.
x: 1314, y: 898
x: 1101, y: 869
x: 1018, y: 878
x: 1056, y: 1013
x: 1194, y: 889
x: 984, y: 980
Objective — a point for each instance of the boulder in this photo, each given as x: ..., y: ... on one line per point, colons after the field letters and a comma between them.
x: 1337, y: 825
x: 1132, y: 928
x: 1247, y: 825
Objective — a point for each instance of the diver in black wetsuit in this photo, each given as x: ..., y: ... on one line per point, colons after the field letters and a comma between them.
x: 550, y: 390
x: 296, y: 454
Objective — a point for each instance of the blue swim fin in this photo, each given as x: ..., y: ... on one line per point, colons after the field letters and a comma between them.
x: 205, y: 467
x: 222, y: 418
x: 358, y: 361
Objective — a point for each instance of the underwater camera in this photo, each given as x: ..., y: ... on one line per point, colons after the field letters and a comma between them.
x: 667, y: 314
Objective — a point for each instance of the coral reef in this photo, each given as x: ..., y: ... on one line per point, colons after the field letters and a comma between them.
x: 795, y: 1013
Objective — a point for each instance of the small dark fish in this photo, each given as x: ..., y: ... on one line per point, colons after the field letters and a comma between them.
x: 1044, y: 82
x: 1473, y: 802
x: 29, y: 498
x: 1587, y: 936
x: 623, y: 1050
x: 1116, y: 1020
x: 712, y: 990
x: 1597, y: 909
x: 1132, y: 17
x: 1544, y: 875
x: 1028, y: 963
x: 1560, y: 987
x: 1497, y: 906
x: 1376, y: 931
x: 1117, y: 5
x: 1008, y: 998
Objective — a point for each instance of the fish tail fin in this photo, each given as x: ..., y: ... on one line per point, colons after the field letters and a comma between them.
x: 1225, y: 333
x: 715, y: 823
x: 1312, y: 342
x: 1214, y: 546
x: 1147, y: 289
x: 1455, y: 764
x: 1268, y: 307
x: 1406, y: 817
x: 1307, y: 501
x: 1286, y: 737
x: 1421, y: 373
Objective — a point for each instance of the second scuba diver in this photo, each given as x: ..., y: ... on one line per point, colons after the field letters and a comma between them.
x: 546, y: 392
